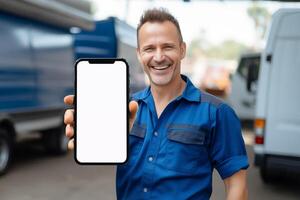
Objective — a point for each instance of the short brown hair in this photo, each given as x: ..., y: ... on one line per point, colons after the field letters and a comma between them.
x: 158, y: 15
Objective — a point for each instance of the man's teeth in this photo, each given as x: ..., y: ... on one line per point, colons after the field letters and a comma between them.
x: 162, y: 67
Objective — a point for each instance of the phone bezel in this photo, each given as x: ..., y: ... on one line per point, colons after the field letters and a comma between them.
x: 101, y: 61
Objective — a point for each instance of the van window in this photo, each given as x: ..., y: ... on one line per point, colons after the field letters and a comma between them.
x: 247, y: 62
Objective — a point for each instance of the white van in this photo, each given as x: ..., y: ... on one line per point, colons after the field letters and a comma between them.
x: 243, y: 96
x: 277, y: 123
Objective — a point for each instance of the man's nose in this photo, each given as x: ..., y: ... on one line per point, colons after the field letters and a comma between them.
x: 159, y: 56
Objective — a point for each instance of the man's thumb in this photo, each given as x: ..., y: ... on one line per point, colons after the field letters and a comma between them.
x: 133, y: 107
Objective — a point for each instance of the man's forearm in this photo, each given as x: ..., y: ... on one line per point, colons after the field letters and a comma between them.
x: 236, y: 186
x: 236, y: 193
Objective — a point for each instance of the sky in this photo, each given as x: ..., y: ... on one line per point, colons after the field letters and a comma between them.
x: 215, y: 20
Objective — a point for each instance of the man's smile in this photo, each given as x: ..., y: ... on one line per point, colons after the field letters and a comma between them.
x: 161, y: 67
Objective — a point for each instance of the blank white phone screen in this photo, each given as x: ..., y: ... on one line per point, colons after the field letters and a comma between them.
x: 101, y: 112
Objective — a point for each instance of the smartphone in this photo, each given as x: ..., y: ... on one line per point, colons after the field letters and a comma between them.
x: 101, y: 111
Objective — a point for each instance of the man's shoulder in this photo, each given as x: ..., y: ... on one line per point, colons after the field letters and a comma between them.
x: 219, y: 104
x: 140, y: 94
x: 211, y: 99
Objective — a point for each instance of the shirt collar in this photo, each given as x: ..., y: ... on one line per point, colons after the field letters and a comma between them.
x: 190, y: 93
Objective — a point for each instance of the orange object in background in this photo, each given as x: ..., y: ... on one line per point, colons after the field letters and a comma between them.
x: 216, y: 81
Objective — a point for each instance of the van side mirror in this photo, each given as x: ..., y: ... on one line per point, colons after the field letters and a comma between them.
x: 251, y: 78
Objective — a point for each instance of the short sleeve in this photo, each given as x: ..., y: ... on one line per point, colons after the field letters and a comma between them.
x: 227, y: 147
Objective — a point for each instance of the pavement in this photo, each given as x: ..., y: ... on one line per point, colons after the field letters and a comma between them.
x: 35, y: 175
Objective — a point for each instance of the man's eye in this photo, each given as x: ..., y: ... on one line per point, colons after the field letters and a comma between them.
x: 148, y: 49
x: 168, y: 47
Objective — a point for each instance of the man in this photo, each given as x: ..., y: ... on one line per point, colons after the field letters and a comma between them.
x: 179, y: 134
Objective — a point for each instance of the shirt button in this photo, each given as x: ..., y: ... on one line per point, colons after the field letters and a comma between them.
x: 150, y: 158
x: 156, y: 133
x: 145, y: 189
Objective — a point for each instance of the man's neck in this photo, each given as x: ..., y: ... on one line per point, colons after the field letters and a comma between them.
x: 162, y: 95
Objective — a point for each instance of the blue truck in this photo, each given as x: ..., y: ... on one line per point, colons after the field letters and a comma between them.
x: 40, y: 41
x: 36, y: 71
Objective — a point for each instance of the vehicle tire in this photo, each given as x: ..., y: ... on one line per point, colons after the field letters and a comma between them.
x: 269, y: 175
x: 55, y: 140
x: 5, y: 151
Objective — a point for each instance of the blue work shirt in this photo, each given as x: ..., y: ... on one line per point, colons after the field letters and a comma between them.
x: 173, y: 156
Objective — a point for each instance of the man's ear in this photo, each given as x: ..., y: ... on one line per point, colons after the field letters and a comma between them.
x: 182, y: 50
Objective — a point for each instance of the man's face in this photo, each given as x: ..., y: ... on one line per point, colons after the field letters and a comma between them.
x: 160, y: 52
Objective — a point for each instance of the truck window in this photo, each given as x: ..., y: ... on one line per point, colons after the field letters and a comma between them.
x: 247, y: 62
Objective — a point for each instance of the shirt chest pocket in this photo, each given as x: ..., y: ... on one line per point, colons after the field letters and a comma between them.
x: 185, y: 149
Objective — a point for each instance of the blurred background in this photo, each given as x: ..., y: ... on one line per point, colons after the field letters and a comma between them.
x: 245, y: 52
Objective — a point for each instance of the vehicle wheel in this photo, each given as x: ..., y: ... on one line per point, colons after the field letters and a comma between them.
x: 268, y: 175
x: 5, y: 151
x: 55, y: 140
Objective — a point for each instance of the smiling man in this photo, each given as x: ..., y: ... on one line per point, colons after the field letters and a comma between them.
x: 179, y: 134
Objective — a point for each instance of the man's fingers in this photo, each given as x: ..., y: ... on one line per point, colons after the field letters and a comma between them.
x: 69, y: 131
x: 69, y: 100
x: 69, y: 116
x: 69, y: 120
x: 71, y: 144
x: 133, y: 107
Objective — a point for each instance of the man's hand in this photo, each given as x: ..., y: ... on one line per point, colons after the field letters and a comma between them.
x: 69, y: 118
x: 133, y: 108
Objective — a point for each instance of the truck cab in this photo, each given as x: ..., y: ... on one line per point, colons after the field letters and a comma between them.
x: 36, y: 72
x: 242, y: 96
